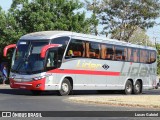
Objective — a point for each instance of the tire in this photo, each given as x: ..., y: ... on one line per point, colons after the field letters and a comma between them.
x: 156, y: 87
x: 36, y: 92
x: 137, y: 88
x: 128, y: 88
x: 66, y: 88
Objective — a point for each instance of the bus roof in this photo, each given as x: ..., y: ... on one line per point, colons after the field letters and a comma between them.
x: 52, y: 34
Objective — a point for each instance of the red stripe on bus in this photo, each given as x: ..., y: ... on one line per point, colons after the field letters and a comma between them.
x: 84, y: 72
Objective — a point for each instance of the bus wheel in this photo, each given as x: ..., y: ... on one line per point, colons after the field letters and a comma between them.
x: 36, y: 92
x: 66, y: 88
x: 128, y: 88
x: 137, y: 88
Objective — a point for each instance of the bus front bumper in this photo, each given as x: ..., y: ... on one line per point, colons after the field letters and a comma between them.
x: 31, y: 85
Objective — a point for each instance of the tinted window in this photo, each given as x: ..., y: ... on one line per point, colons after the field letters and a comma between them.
x: 144, y: 56
x: 152, y: 56
x: 76, y: 48
x: 120, y: 53
x: 110, y: 52
x: 93, y: 50
x: 51, y: 61
x: 61, y: 40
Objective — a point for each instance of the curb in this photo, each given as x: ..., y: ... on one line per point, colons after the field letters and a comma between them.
x: 125, y: 101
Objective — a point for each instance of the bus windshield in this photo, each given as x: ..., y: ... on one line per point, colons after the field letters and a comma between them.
x: 26, y: 59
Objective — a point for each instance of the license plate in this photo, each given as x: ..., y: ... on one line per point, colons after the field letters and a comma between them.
x: 18, y: 80
x: 23, y: 87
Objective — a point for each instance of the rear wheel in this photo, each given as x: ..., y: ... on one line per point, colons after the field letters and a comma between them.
x: 66, y: 88
x: 156, y: 87
x: 137, y: 88
x: 128, y: 88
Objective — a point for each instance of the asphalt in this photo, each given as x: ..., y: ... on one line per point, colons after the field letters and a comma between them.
x: 23, y: 100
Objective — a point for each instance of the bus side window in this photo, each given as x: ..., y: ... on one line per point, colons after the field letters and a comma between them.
x: 110, y: 52
x: 125, y: 54
x: 141, y: 56
x: 93, y: 50
x: 87, y: 50
x: 120, y: 53
x: 144, y: 56
x: 152, y: 56
x: 84, y: 49
x: 130, y: 57
x: 61, y: 40
x: 135, y: 55
x: 75, y: 49
x: 51, y: 60
x: 103, y: 51
x: 147, y: 56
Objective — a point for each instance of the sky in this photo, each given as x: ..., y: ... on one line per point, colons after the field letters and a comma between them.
x: 153, y: 33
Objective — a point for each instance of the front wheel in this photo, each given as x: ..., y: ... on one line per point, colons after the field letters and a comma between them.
x: 66, y: 88
x: 128, y: 88
x: 137, y: 88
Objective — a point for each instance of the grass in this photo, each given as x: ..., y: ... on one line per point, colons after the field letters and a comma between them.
x: 149, y: 101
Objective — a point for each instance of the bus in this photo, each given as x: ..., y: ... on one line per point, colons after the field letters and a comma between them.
x: 64, y: 61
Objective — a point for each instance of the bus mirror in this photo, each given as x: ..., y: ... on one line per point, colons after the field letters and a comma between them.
x: 5, y: 50
x: 45, y: 48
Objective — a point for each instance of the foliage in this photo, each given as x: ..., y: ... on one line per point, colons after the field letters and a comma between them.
x: 139, y: 37
x: 9, y: 30
x: 39, y: 15
x: 26, y: 16
x: 93, y: 6
x: 121, y: 17
x: 158, y: 58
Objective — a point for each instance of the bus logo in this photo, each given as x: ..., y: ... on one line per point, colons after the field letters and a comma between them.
x: 105, y: 66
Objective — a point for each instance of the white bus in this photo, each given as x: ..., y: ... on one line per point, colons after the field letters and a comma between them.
x: 65, y: 61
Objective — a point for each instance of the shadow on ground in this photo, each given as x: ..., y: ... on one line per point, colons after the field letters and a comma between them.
x: 8, y: 90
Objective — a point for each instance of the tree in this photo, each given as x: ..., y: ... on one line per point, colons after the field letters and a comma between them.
x: 139, y: 37
x: 39, y: 15
x: 158, y: 58
x: 94, y: 7
x: 121, y: 17
x: 9, y: 30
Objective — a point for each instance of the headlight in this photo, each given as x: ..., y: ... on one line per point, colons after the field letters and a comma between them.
x: 41, y: 77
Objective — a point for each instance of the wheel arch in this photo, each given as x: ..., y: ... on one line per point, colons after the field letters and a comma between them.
x: 130, y: 79
x: 141, y: 82
x: 70, y: 78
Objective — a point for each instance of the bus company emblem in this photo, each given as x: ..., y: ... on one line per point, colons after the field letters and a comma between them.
x: 105, y: 66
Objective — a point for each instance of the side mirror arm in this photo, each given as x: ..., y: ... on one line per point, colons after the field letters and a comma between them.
x: 45, y: 48
x: 5, y: 50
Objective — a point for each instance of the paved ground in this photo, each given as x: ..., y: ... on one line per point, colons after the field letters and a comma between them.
x: 22, y: 100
